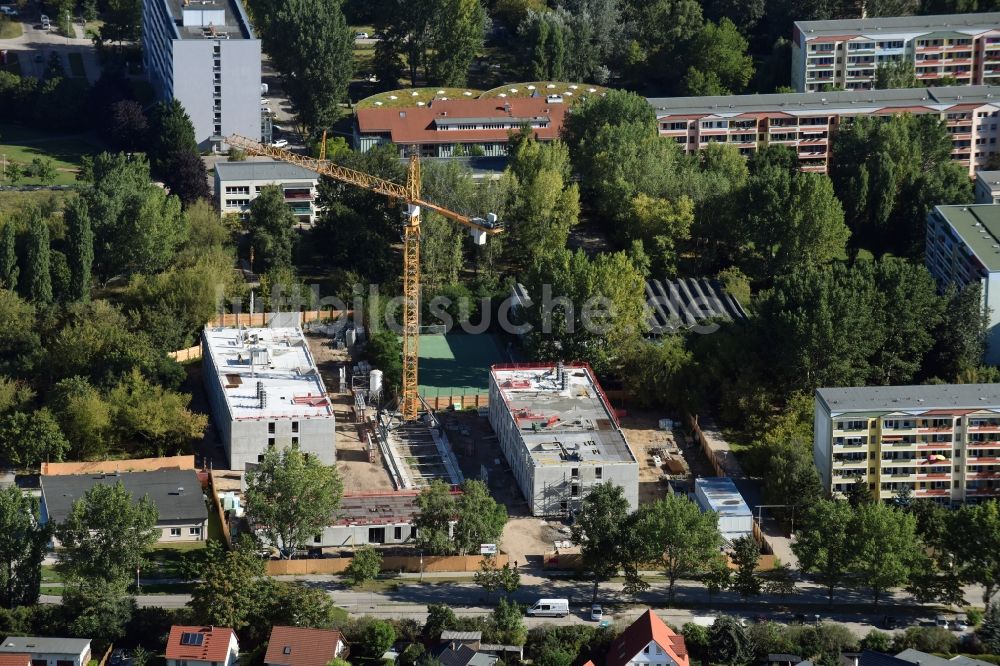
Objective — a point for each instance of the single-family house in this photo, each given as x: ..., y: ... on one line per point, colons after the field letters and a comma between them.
x: 46, y: 651
x: 300, y: 646
x: 202, y: 646
x: 650, y: 642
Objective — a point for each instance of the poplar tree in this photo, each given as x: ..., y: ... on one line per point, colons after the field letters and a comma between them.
x: 37, y: 269
x: 80, y: 248
x: 9, y: 270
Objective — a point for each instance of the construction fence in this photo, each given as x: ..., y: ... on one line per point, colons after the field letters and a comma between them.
x: 391, y: 564
x: 220, y: 513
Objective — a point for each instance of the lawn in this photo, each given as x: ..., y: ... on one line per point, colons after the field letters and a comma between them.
x: 10, y: 29
x: 411, y: 96
x: 76, y: 65
x: 175, y: 561
x: 571, y: 92
x: 21, y: 144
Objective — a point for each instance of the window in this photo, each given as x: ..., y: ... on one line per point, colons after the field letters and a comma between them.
x: 260, y: 458
x: 316, y: 539
x: 645, y: 650
x: 270, y: 442
x: 295, y: 426
x: 194, y: 531
x: 191, y: 638
x: 295, y: 442
x: 175, y: 531
x: 575, y: 490
x: 270, y: 427
x: 397, y: 533
x: 575, y: 473
x: 598, y: 472
x: 287, y: 650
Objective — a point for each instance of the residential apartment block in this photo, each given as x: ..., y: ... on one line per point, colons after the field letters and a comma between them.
x: 963, y: 247
x: 450, y: 127
x: 807, y: 121
x: 964, y: 48
x: 940, y: 441
x: 265, y: 392
x: 987, y: 187
x: 239, y: 183
x: 560, y: 435
x: 204, y: 54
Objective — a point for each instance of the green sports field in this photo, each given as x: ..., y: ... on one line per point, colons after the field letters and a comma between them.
x: 457, y: 364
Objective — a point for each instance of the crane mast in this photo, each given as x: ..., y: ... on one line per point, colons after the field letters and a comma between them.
x: 409, y: 194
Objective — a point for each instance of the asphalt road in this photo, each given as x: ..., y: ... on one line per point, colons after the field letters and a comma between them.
x: 410, y: 598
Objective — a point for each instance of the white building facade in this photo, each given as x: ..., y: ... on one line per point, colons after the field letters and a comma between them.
x: 239, y: 183
x: 265, y: 392
x: 204, y: 54
x: 560, y: 435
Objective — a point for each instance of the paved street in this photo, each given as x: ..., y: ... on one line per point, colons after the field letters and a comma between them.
x: 36, y: 41
x: 410, y: 598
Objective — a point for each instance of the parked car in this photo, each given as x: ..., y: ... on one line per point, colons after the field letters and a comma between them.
x: 596, y: 613
x: 280, y: 143
x: 807, y: 618
x: 941, y: 621
x: 890, y: 622
x: 960, y: 623
x: 361, y: 35
x: 549, y: 608
x: 9, y: 11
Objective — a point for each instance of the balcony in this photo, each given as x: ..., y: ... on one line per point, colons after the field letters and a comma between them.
x: 932, y: 492
x: 989, y: 444
x: 850, y: 464
x: 983, y: 427
x: 936, y: 476
x: 982, y: 492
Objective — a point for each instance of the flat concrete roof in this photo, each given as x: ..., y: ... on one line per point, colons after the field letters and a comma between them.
x: 263, y: 170
x: 722, y: 496
x: 379, y: 508
x: 827, y: 103
x: 883, y: 27
x: 281, y: 382
x: 988, y: 177
x: 914, y: 398
x: 978, y: 225
x: 562, y: 423
x: 40, y: 645
x: 209, y: 19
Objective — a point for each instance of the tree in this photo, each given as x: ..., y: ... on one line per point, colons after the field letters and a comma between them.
x: 439, y: 618
x: 29, y: 439
x: 170, y: 131
x: 43, y: 169
x: 291, y: 497
x: 989, y: 630
x: 37, y: 273
x: 231, y: 588
x: 718, y: 576
x: 187, y: 178
x: 718, y: 60
x: 746, y: 555
x: 859, y: 493
x: 508, y: 619
x: 365, y: 565
x: 961, y: 342
x: 973, y: 536
x: 80, y: 247
x: 9, y: 271
x: 793, y: 478
x: 438, y: 509
x: 824, y: 543
x: 896, y: 74
x: 480, y: 518
x: 492, y: 578
x: 122, y: 21
x: 23, y: 542
x: 598, y: 530
x: 106, y: 535
x: 377, y: 637
x: 779, y: 580
x: 886, y: 547
x: 155, y: 419
x: 98, y: 608
x: 84, y: 417
x: 876, y: 640
x: 310, y: 43
x: 728, y: 642
x: 297, y: 605
x: 14, y: 173
x: 271, y: 230
x: 126, y: 127
x: 678, y: 531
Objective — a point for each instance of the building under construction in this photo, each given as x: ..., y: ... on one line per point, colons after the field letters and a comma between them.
x: 265, y: 392
x: 560, y: 435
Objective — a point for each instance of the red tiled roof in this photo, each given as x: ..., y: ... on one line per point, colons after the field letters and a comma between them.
x: 214, y: 647
x: 648, y: 628
x: 305, y: 647
x: 415, y: 124
x: 15, y: 659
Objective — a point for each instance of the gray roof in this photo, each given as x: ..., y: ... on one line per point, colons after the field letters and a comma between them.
x: 175, y: 492
x: 911, y: 398
x: 687, y: 302
x: 450, y: 635
x: 926, y: 659
x: 989, y: 177
x: 38, y: 645
x: 885, y: 26
x: 263, y: 170
x: 837, y: 101
x: 978, y: 225
x: 235, y: 24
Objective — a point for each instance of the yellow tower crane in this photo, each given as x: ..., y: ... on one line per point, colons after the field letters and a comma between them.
x: 409, y: 193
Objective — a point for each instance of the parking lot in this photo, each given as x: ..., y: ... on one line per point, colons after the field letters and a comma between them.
x: 35, y: 46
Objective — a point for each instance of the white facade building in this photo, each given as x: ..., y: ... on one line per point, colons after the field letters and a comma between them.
x: 560, y: 435
x: 846, y: 53
x: 719, y: 494
x: 49, y: 651
x: 239, y: 183
x: 204, y: 54
x: 266, y: 392
x: 987, y: 187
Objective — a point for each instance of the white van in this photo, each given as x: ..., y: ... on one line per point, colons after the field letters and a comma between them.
x: 549, y: 608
